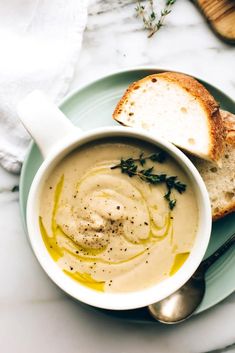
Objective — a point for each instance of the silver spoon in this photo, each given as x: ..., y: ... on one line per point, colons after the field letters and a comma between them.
x: 181, y: 304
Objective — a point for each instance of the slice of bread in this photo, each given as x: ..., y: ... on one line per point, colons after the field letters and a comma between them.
x: 178, y: 108
x: 220, y: 182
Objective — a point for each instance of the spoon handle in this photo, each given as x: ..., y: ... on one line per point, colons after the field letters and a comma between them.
x: 218, y: 253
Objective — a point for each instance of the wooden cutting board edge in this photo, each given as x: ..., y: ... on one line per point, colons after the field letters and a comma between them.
x: 227, y: 39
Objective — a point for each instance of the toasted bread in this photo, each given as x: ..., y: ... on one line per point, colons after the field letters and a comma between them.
x: 220, y: 182
x: 177, y: 107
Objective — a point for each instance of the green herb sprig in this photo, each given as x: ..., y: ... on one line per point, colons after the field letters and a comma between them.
x: 128, y: 164
x: 152, y: 22
x: 130, y: 167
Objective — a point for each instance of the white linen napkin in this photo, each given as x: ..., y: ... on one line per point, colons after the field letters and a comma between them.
x: 39, y: 46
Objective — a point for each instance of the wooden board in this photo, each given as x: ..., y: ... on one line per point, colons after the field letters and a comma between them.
x: 220, y: 15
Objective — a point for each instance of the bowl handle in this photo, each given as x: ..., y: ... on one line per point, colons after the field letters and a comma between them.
x: 44, y: 121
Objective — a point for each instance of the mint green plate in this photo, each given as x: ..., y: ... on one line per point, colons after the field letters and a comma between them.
x: 91, y: 107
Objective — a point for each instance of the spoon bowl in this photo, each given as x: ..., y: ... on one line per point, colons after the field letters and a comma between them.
x: 180, y: 305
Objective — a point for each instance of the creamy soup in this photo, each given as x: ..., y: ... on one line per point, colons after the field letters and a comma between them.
x: 112, y: 231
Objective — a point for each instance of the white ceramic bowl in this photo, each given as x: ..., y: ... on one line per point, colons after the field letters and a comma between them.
x: 56, y: 137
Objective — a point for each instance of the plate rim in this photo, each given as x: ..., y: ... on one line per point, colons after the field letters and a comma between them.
x: 127, y: 69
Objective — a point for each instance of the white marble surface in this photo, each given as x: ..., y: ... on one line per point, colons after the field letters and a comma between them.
x: 35, y: 316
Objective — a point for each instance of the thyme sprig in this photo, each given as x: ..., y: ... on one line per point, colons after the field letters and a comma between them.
x: 130, y: 167
x: 152, y: 22
x: 127, y: 164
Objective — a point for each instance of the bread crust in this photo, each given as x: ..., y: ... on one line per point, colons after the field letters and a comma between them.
x: 124, y: 98
x: 223, y: 212
x: 229, y: 124
x: 196, y: 89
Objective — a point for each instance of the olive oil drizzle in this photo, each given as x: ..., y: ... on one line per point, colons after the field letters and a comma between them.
x: 96, y: 252
x: 90, y: 255
x: 57, y: 252
x: 58, y: 191
x: 97, y: 259
x: 86, y: 280
x: 178, y: 262
x: 50, y: 242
